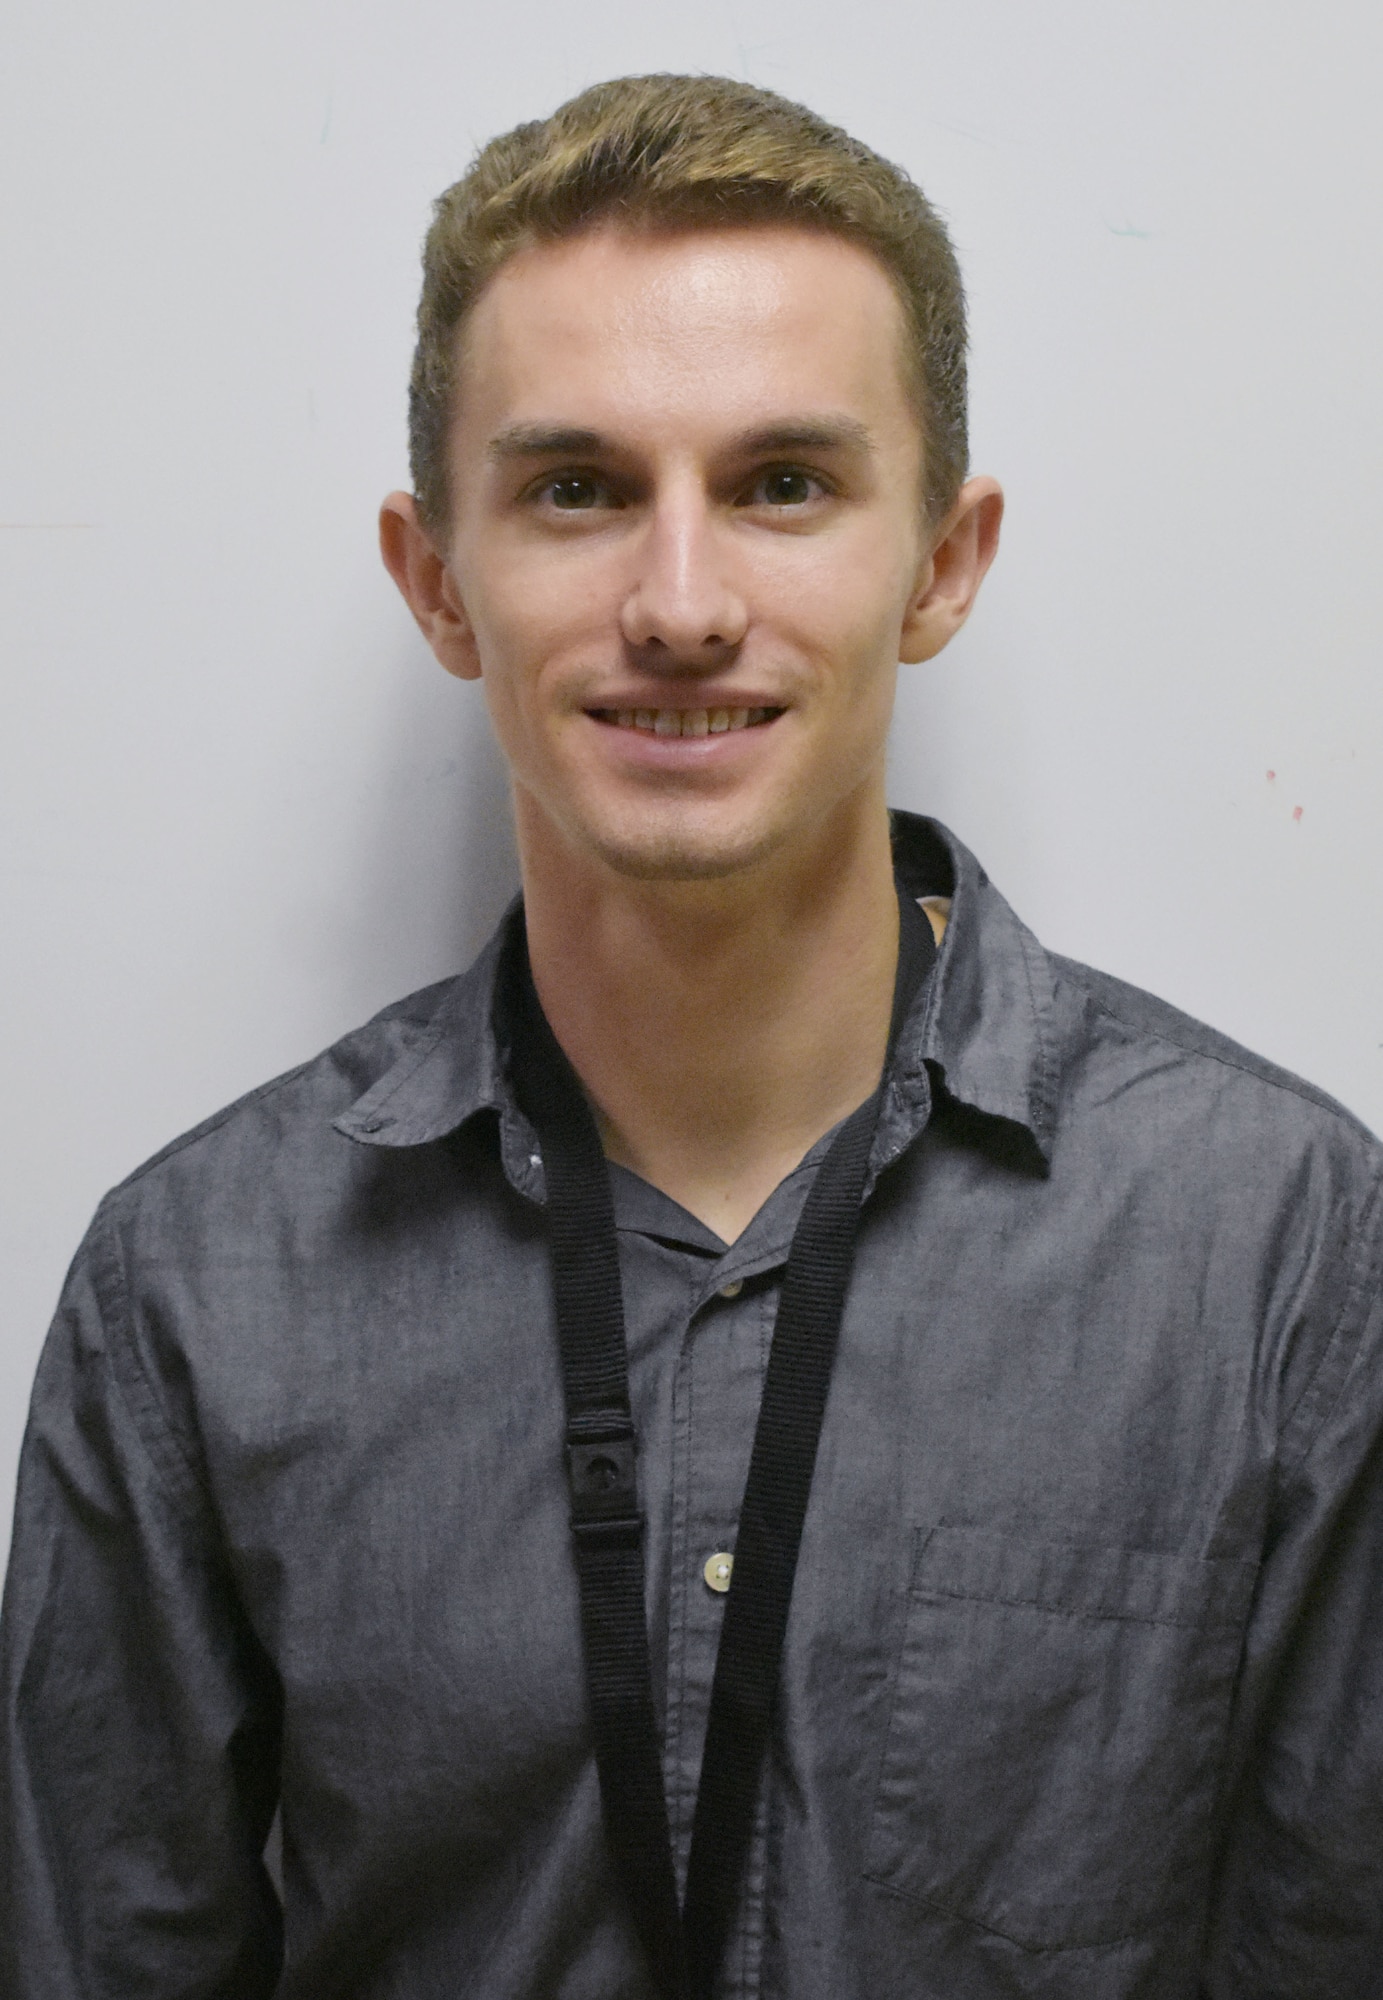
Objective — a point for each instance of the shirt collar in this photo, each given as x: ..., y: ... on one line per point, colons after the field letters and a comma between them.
x: 982, y: 1027
x: 984, y: 1024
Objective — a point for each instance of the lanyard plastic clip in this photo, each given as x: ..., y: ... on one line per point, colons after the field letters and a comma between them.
x: 603, y: 1487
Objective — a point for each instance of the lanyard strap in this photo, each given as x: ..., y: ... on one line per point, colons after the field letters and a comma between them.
x: 684, y: 1948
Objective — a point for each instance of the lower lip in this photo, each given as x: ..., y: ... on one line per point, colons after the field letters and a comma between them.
x: 683, y: 753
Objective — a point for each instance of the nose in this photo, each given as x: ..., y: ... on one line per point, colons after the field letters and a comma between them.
x: 683, y: 608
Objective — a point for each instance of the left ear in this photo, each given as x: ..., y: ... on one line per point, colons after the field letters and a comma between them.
x: 949, y: 579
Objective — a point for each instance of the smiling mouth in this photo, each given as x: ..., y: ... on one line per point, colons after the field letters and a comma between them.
x: 684, y: 721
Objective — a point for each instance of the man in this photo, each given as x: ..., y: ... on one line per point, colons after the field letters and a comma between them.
x: 759, y: 1442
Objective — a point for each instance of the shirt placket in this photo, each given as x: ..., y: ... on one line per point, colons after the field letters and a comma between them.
x: 716, y: 1397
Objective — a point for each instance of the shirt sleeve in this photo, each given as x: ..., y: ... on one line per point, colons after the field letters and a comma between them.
x: 139, y: 1736
x: 1300, y: 1909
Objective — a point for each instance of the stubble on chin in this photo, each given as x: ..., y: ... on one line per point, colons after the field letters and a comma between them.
x: 661, y: 852
x: 663, y: 841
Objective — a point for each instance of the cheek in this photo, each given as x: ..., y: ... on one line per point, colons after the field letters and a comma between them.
x: 849, y: 594
x: 853, y: 628
x: 532, y: 617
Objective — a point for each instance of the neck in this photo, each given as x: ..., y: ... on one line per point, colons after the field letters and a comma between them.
x: 719, y: 1027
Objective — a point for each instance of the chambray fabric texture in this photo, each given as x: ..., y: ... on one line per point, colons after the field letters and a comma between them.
x: 1082, y: 1692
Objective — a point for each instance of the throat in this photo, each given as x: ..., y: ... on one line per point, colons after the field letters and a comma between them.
x: 712, y: 1082
x: 720, y: 1029
x: 722, y: 1187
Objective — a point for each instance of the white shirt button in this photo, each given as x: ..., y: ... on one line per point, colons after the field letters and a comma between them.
x: 733, y: 1289
x: 717, y: 1571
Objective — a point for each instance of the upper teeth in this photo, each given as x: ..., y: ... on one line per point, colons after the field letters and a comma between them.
x: 685, y: 721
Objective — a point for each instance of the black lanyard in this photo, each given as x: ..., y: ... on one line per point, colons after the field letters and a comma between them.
x: 684, y: 1947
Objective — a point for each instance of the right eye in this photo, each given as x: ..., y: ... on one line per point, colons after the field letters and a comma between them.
x: 576, y: 492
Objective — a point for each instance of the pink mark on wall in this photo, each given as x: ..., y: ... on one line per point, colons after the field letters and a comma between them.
x: 1296, y: 812
x: 1271, y: 776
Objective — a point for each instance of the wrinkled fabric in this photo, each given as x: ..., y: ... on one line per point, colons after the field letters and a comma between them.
x: 1082, y: 1691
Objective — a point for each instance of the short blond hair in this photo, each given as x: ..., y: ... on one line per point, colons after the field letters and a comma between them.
x: 649, y: 152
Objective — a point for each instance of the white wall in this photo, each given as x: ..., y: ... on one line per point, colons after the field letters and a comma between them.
x: 242, y: 808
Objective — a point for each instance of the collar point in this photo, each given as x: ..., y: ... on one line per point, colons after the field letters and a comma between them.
x: 367, y: 1128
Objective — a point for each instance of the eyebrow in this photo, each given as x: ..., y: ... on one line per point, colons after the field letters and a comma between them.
x: 834, y: 433
x: 808, y: 434
x: 546, y: 441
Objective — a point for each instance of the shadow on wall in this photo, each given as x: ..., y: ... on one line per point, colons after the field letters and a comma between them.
x: 435, y: 854
x: 485, y: 862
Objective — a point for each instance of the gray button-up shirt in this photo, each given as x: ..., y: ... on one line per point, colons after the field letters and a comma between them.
x: 1082, y: 1692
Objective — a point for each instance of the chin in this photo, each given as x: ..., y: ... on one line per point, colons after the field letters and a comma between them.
x: 681, y: 853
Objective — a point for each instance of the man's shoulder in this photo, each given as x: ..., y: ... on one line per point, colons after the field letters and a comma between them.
x: 1180, y: 1058
x: 291, y: 1115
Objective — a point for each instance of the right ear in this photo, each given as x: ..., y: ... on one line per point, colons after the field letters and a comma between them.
x: 427, y: 586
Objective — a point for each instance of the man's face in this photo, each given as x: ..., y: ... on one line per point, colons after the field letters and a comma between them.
x: 687, y: 538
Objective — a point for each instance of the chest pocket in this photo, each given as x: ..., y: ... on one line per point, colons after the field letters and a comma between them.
x: 1056, y: 1732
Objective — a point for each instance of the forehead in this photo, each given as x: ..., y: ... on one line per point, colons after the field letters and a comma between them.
x: 716, y: 328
